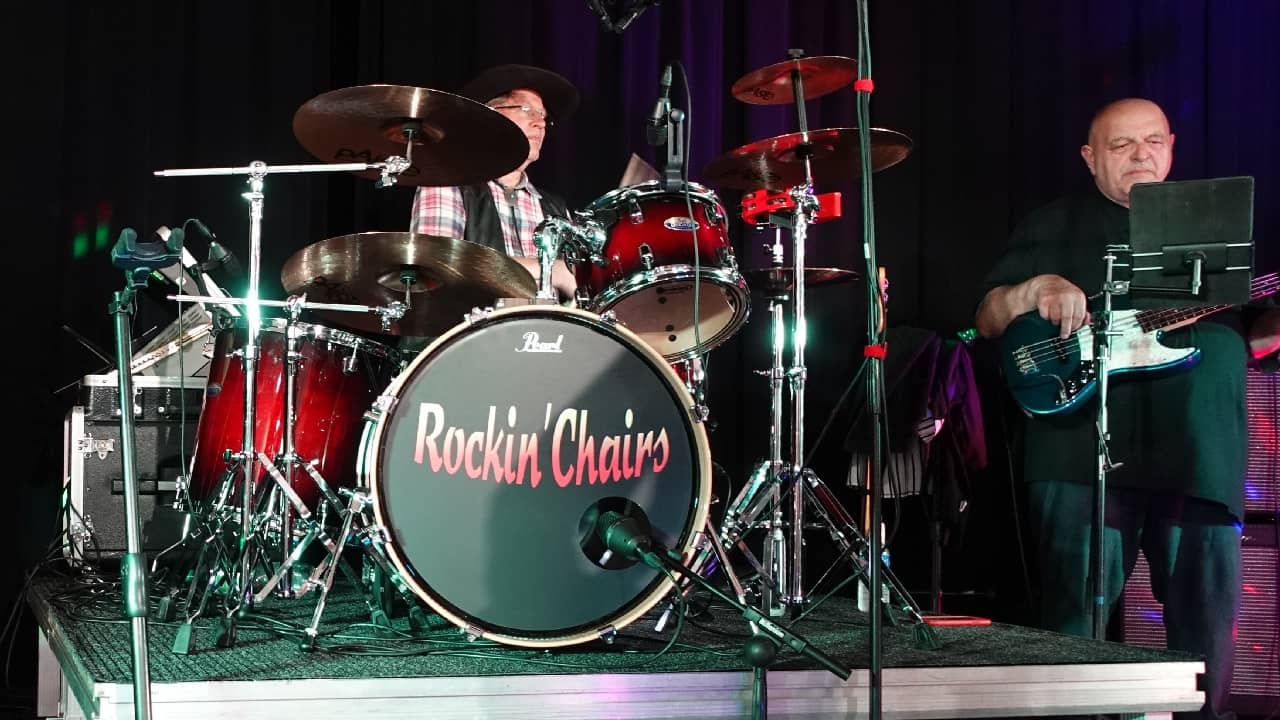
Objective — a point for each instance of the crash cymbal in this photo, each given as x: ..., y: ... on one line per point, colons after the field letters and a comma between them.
x: 778, y: 280
x: 447, y: 278
x: 775, y: 163
x: 772, y: 85
x: 458, y: 141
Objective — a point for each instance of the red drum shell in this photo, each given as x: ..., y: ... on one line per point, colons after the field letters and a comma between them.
x: 338, y: 379
x: 648, y: 279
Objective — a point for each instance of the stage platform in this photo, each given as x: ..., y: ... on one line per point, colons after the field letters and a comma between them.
x: 361, y: 671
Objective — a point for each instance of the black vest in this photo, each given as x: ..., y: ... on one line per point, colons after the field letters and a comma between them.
x: 483, y: 224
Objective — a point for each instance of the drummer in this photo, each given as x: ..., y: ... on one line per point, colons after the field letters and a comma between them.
x: 503, y: 213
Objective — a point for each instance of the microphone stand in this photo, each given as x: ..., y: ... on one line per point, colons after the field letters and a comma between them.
x: 759, y: 651
x: 137, y: 261
x: 874, y: 352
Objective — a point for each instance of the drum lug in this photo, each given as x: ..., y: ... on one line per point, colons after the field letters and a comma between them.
x: 608, y: 634
x: 609, y: 317
x: 646, y: 256
x: 473, y: 633
x: 382, y: 405
x: 727, y: 258
x: 637, y: 215
x: 714, y: 216
x: 477, y: 314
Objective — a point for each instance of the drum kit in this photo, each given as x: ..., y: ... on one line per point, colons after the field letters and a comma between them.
x: 471, y: 478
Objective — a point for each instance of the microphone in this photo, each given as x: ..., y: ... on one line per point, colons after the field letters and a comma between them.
x: 656, y: 130
x: 623, y: 535
x: 220, y: 257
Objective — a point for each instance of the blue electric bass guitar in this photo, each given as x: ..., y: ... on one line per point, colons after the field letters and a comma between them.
x: 1049, y: 375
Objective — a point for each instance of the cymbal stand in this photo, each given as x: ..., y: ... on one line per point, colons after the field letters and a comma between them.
x: 782, y: 583
x: 247, y: 457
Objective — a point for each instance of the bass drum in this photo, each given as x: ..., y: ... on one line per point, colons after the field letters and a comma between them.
x: 491, y: 457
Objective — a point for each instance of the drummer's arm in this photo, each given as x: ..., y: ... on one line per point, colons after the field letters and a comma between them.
x: 562, y: 279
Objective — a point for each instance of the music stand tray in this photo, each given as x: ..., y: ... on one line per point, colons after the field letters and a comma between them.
x: 1192, y: 242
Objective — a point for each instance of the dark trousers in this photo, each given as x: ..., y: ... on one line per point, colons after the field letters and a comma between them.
x: 1192, y: 547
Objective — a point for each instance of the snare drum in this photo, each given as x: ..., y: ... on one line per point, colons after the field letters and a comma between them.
x: 491, y: 457
x: 339, y: 376
x: 648, y: 278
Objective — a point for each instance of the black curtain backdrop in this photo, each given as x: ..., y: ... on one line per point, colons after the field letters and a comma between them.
x: 996, y: 97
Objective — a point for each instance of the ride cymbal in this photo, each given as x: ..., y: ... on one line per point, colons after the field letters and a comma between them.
x: 456, y: 140
x: 781, y: 280
x: 777, y: 163
x: 445, y: 277
x: 773, y: 85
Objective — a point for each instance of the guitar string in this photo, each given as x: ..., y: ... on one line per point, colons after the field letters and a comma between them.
x: 1043, y: 349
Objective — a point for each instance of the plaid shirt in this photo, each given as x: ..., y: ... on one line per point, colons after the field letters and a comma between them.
x: 439, y: 211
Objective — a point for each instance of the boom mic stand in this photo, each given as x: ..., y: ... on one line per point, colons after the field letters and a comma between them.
x: 622, y: 535
x: 138, y: 261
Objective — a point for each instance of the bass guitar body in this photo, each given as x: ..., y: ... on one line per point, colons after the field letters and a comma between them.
x: 1048, y: 375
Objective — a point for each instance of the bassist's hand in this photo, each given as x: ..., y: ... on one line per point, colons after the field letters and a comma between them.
x: 1059, y: 301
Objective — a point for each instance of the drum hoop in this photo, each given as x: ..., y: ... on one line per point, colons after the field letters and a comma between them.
x: 621, y: 289
x: 325, y: 333
x: 725, y: 278
x: 653, y: 188
x: 702, y: 449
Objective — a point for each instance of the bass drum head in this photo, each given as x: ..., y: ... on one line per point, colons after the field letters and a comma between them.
x: 506, y: 439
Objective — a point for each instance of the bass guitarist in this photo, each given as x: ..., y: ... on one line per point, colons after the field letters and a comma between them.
x: 1181, y: 436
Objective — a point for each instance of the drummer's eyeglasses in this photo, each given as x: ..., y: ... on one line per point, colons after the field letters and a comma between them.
x: 529, y: 111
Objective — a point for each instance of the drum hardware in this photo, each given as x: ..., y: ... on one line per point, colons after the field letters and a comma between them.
x: 758, y: 205
x: 579, y: 240
x: 647, y: 269
x: 780, y: 172
x: 436, y: 280
x: 257, y: 172
x: 456, y: 136
x: 606, y: 427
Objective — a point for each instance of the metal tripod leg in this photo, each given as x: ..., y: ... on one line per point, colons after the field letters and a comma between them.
x: 711, y: 554
x: 371, y: 540
x: 895, y: 599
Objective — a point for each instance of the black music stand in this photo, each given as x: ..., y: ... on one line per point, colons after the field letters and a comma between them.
x: 1190, y: 245
x: 1192, y: 242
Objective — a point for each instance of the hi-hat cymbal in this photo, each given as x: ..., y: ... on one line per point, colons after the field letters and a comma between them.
x: 777, y: 163
x: 772, y: 85
x: 779, y: 280
x: 446, y: 278
x: 458, y: 140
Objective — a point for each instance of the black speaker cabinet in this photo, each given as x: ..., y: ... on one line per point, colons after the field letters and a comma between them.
x: 166, y: 411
